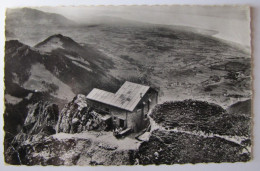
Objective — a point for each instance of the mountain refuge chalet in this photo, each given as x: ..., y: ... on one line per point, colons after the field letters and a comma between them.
x: 128, y: 107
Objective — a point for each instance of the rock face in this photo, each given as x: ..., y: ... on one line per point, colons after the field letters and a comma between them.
x: 77, y: 116
x: 42, y: 117
x: 52, y: 150
x: 73, y: 115
x: 39, y: 123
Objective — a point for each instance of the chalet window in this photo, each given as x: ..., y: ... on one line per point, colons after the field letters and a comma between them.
x: 139, y: 111
x: 149, y: 101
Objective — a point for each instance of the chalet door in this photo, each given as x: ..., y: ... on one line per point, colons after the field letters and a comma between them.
x: 115, y: 121
x: 121, y: 123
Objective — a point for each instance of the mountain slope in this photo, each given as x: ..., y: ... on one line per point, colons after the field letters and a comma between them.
x: 241, y: 108
x: 63, y: 45
x: 81, y: 68
x: 20, y: 62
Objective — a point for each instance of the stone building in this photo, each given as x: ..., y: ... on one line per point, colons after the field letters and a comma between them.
x: 128, y: 107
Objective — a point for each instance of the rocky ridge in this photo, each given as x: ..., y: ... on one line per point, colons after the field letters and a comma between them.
x: 77, y: 117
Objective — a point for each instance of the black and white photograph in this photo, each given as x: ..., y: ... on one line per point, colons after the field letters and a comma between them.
x: 127, y: 85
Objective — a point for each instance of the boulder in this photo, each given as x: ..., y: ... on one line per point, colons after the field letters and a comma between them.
x: 77, y: 116
x: 74, y: 115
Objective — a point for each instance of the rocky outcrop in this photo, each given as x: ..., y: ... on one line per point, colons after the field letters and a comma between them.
x: 73, y: 115
x: 39, y: 123
x: 38, y: 142
x: 77, y: 117
x: 62, y: 150
x: 42, y: 117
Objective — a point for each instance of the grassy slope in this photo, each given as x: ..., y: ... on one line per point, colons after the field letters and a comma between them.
x: 190, y: 115
x: 201, y: 116
x: 185, y: 148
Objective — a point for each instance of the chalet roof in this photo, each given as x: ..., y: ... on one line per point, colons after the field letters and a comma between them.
x: 127, y: 97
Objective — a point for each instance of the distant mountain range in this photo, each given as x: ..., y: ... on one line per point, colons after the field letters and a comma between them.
x: 29, y: 25
x: 24, y: 16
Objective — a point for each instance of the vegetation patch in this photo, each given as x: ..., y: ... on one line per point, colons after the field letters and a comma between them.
x: 192, y: 115
x: 165, y: 147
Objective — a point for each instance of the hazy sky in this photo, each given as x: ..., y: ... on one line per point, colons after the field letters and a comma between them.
x: 231, y: 23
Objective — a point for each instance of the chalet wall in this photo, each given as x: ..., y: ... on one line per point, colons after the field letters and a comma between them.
x: 113, y: 111
x: 137, y: 119
x: 154, y: 98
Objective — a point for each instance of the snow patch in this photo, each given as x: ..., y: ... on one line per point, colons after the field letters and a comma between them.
x: 28, y: 97
x: 12, y: 100
x: 82, y: 66
x: 15, y: 78
x: 77, y: 59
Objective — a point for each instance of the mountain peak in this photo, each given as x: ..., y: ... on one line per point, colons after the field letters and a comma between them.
x: 56, y: 41
x: 62, y: 38
x: 59, y: 36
